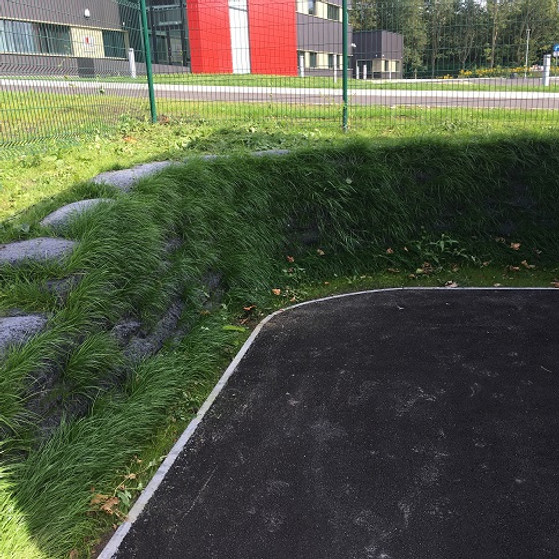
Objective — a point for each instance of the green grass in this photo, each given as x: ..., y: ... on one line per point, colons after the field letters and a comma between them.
x: 39, y: 179
x: 376, y: 214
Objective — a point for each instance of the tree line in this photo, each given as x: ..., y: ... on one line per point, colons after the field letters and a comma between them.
x: 448, y: 36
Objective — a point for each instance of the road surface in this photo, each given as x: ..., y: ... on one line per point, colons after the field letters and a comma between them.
x: 298, y: 96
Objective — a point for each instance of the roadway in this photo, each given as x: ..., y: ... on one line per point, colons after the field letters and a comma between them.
x: 524, y: 99
x: 404, y: 423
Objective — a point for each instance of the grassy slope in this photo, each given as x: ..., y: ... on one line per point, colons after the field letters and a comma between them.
x: 407, y: 213
x: 34, y: 183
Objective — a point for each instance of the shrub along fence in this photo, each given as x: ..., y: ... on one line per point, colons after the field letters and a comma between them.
x: 66, y: 71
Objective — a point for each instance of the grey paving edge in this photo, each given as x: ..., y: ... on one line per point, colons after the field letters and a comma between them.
x: 16, y: 330
x: 271, y: 152
x: 114, y: 543
x: 41, y: 249
x: 126, y: 178
x: 62, y: 216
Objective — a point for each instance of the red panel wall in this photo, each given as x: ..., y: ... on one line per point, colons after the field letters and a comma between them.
x: 273, y: 37
x: 210, y: 37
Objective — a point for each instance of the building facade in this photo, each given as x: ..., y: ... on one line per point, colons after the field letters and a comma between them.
x: 89, y: 38
x: 377, y: 54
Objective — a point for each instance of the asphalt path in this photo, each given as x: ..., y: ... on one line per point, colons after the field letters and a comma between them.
x: 398, y: 424
x: 525, y: 99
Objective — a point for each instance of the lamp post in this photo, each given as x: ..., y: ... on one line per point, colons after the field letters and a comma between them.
x: 344, y: 66
x: 527, y: 52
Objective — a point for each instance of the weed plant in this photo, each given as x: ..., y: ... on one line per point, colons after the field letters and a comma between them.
x: 274, y: 228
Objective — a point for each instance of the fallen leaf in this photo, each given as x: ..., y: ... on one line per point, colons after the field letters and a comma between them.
x: 500, y: 239
x: 98, y: 499
x: 320, y: 252
x: 293, y: 299
x: 326, y: 283
x: 486, y: 263
x: 406, y: 249
x: 110, y: 505
x: 131, y: 476
x: 455, y: 268
x: 290, y: 259
x: 249, y: 308
x: 497, y: 284
x: 451, y: 283
x: 527, y: 266
x: 73, y: 554
x: 515, y: 246
x: 513, y: 268
x: 276, y: 291
x: 389, y: 251
x: 555, y: 283
x: 393, y: 270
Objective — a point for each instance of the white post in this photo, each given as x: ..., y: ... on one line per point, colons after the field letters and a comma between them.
x: 301, y: 65
x: 546, y: 69
x: 132, y: 61
x: 364, y: 71
x: 335, y: 69
x: 527, y: 52
x: 357, y: 72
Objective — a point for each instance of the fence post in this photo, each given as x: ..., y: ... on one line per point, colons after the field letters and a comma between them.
x: 149, y: 70
x: 546, y: 69
x: 344, y: 65
x: 132, y: 62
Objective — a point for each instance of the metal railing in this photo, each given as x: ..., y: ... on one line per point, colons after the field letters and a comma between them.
x: 67, y: 72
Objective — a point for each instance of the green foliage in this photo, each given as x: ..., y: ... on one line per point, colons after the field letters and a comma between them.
x: 272, y: 226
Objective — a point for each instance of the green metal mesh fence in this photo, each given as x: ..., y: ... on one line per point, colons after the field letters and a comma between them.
x: 67, y: 70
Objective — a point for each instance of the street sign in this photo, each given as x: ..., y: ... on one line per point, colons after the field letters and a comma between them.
x: 556, y: 50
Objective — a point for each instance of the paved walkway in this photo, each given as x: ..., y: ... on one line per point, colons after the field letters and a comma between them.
x: 511, y: 99
x: 400, y: 424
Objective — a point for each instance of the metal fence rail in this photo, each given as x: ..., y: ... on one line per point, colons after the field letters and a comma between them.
x: 66, y: 71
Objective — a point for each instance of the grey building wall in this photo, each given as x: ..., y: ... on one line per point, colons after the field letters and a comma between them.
x: 73, y: 67
x: 317, y: 34
x: 104, y: 13
x: 371, y: 45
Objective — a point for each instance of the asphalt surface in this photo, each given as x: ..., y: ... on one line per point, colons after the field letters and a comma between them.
x: 402, y: 424
x: 527, y: 99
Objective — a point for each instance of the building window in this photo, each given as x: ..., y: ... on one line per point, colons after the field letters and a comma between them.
x: 332, y: 12
x: 386, y: 63
x: 113, y: 43
x: 16, y: 36
x: 312, y: 59
x: 53, y: 39
x: 311, y: 7
x: 331, y: 58
x: 397, y: 66
x: 339, y: 61
x: 38, y: 38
